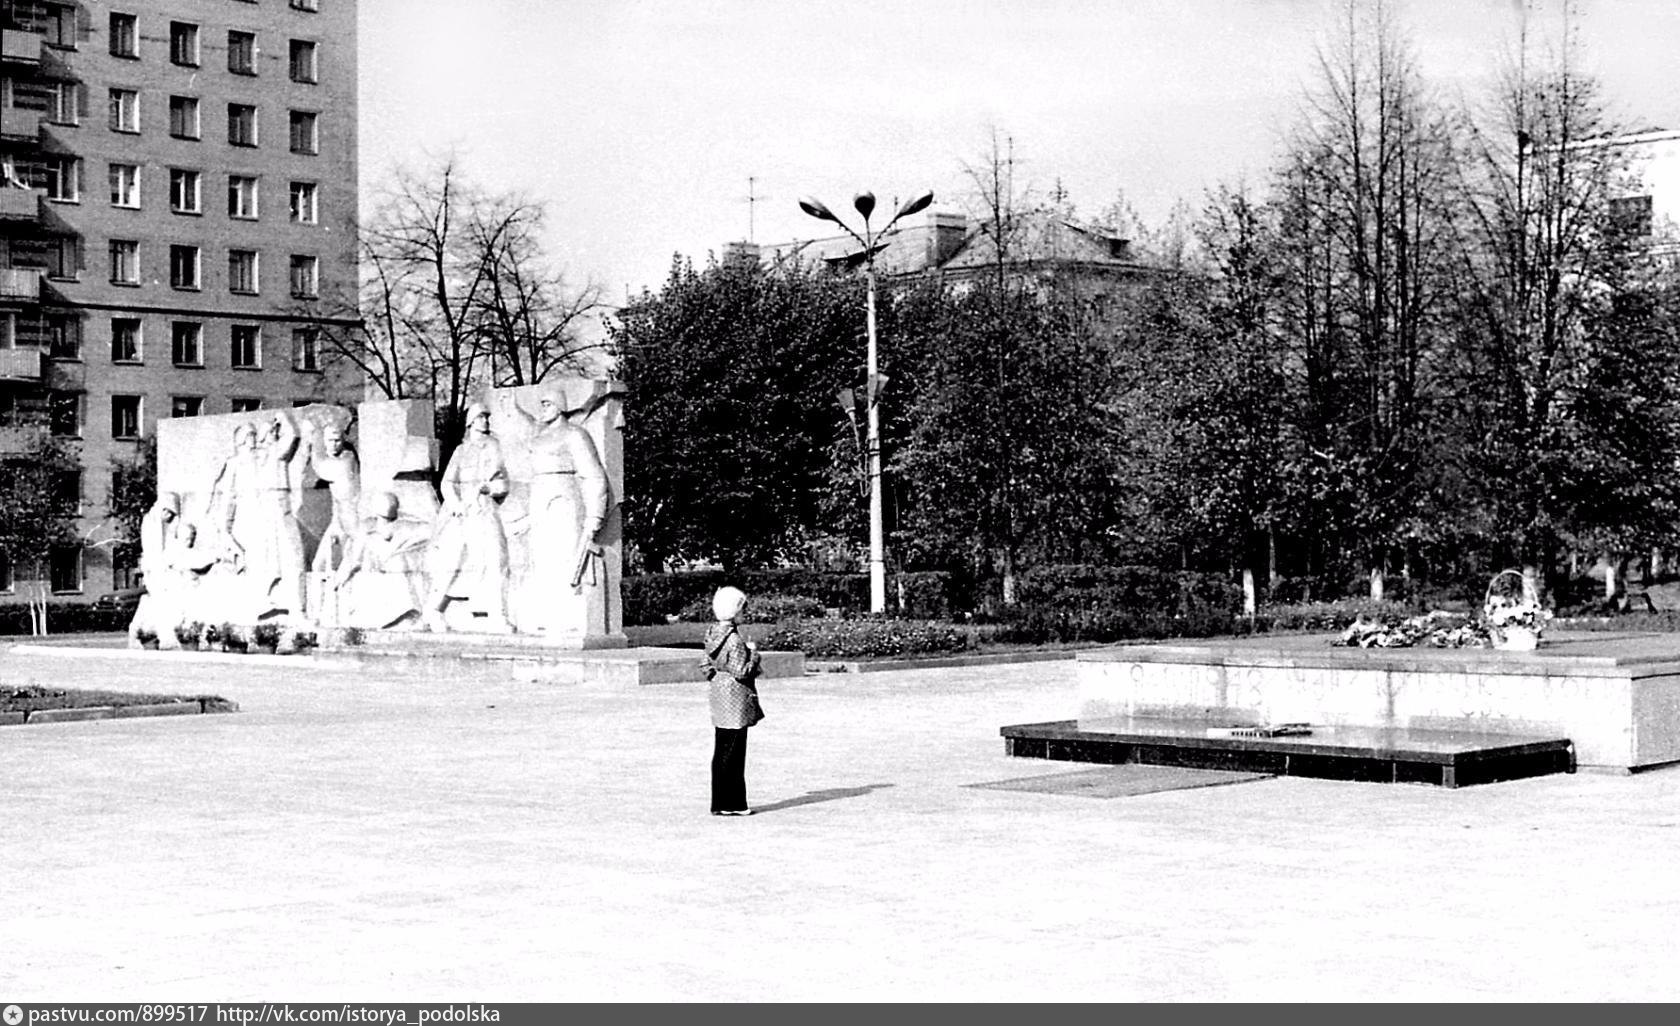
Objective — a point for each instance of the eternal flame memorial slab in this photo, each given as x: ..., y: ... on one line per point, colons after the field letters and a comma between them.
x: 1616, y: 696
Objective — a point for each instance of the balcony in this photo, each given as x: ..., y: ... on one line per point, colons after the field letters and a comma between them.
x: 20, y: 439
x: 19, y: 47
x: 19, y: 204
x: 20, y: 284
x: 18, y: 123
x: 20, y: 365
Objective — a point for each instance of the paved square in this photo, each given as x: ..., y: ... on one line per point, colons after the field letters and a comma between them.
x: 410, y: 832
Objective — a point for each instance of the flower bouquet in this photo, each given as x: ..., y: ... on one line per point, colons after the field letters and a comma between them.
x: 1515, y: 620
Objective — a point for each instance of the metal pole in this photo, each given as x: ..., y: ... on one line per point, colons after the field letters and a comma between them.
x: 877, y: 540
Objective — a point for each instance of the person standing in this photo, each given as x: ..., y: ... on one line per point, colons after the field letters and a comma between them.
x: 732, y: 667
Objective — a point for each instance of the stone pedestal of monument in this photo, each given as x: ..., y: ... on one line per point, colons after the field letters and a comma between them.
x: 561, y: 660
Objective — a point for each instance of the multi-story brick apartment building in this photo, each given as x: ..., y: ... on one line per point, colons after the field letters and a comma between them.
x: 177, y: 189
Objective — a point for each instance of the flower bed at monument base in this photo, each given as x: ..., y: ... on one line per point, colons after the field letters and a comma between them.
x: 33, y: 703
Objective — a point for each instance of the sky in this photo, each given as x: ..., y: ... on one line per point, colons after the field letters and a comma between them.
x: 639, y: 123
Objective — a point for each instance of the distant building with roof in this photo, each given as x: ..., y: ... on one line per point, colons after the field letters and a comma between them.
x: 1044, y: 245
x: 1649, y: 203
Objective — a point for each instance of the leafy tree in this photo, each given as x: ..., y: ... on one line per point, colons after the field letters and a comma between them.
x: 1006, y: 452
x: 733, y: 372
x: 1567, y: 328
x: 37, y: 510
x: 133, y: 492
x: 1367, y: 216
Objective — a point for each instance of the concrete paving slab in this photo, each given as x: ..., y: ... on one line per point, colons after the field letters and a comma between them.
x: 423, y: 835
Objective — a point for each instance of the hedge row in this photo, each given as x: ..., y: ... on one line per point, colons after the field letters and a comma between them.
x: 652, y: 598
x: 832, y: 639
x: 62, y: 618
x: 1144, y: 592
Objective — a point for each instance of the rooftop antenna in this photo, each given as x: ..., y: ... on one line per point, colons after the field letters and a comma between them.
x: 753, y: 200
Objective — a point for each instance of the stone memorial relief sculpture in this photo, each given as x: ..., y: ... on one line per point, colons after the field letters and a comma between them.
x: 379, y: 582
x: 303, y: 522
x: 468, y: 565
x: 254, y: 500
x: 566, y: 504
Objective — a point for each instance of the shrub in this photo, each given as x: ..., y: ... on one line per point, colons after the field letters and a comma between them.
x: 62, y: 618
x: 233, y: 638
x: 189, y: 633
x: 1040, y: 625
x: 1330, y: 616
x: 870, y: 637
x: 928, y: 594
x: 266, y: 635
x: 651, y: 598
x: 760, y: 609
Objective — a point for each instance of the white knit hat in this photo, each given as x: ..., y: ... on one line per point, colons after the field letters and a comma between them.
x: 727, y: 603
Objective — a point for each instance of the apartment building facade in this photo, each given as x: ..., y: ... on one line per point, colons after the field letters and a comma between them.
x: 177, y: 196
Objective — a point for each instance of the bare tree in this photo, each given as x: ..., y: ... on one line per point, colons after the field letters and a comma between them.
x: 457, y: 293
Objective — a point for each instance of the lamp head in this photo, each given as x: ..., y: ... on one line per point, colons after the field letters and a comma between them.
x: 916, y: 205
x: 817, y: 210
x: 864, y: 203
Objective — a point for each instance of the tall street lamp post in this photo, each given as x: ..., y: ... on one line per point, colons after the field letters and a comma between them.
x: 864, y: 204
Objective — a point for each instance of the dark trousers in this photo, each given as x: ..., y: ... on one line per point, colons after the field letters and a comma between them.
x: 729, y: 770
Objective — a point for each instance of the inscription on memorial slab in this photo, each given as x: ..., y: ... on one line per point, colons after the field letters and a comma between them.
x: 331, y: 517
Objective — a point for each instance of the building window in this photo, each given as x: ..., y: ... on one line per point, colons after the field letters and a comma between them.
x: 124, y: 33
x: 242, y: 196
x: 183, y: 268
x: 64, y: 179
x: 305, y: 5
x: 246, y: 347
x: 183, y: 44
x: 305, y: 277
x: 186, y: 405
x: 125, y: 110
x: 242, y: 53
x: 244, y: 404
x: 305, y: 134
x: 242, y: 271
x: 65, y: 102
x: 186, y: 343
x: 303, y: 60
x: 1631, y: 215
x: 303, y: 202
x: 64, y: 568
x: 183, y: 117
x: 125, y: 262
x: 64, y: 414
x: 305, y: 349
x: 125, y: 185
x: 125, y: 417
x: 242, y: 124
x: 124, y: 571
x: 64, y: 337
x: 125, y: 340
x: 184, y: 191
x: 67, y: 489
x: 63, y: 254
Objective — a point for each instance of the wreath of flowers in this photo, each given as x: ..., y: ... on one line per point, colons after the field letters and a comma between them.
x: 1501, y: 612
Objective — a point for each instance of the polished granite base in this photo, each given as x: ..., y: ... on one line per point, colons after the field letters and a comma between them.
x: 1374, y: 754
